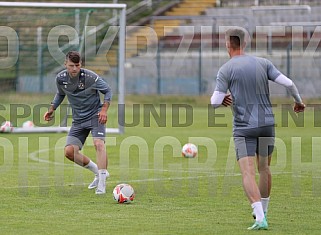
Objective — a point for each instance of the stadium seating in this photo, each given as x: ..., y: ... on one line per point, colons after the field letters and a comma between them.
x: 247, y: 17
x: 136, y: 40
x: 207, y: 53
x: 248, y: 3
x: 210, y: 13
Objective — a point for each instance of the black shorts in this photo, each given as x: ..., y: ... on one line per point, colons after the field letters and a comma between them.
x: 254, y: 141
x: 79, y: 132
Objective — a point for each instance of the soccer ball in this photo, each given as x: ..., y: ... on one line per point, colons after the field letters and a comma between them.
x: 123, y: 193
x: 189, y: 150
x: 28, y: 124
x: 6, y: 126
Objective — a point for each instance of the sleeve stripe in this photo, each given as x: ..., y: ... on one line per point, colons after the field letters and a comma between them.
x: 217, y: 98
x: 288, y: 83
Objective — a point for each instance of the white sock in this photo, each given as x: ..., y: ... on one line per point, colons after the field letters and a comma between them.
x: 92, y: 167
x: 258, y: 210
x: 265, y: 204
x: 102, y: 174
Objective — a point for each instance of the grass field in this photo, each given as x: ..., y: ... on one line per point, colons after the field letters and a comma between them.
x: 42, y: 193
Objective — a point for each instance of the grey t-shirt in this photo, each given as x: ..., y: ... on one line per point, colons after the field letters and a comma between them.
x: 246, y: 77
x: 82, y: 93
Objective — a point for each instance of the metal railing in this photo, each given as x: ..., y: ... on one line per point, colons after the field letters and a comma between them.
x: 223, y: 3
x: 281, y: 8
x: 203, y: 17
x: 310, y: 26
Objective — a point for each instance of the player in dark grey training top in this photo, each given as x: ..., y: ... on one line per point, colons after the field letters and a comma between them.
x: 246, y: 78
x: 82, y: 88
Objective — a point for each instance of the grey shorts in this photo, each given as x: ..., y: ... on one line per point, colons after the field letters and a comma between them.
x: 79, y: 132
x: 254, y: 141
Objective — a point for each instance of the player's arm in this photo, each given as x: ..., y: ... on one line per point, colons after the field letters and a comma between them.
x: 220, y: 95
x: 105, y: 89
x: 299, y: 106
x: 220, y: 98
x: 48, y: 116
x: 102, y: 115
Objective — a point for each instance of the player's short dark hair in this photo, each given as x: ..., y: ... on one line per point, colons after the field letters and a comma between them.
x: 236, y: 37
x: 73, y: 56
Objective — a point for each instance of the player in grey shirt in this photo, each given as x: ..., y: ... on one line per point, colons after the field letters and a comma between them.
x: 246, y: 78
x: 82, y: 88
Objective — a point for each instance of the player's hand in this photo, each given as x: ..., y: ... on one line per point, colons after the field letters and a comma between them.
x: 227, y: 101
x: 48, y: 116
x: 299, y: 107
x: 102, y: 117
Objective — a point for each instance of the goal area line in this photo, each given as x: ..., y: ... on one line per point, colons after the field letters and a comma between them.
x: 19, y: 130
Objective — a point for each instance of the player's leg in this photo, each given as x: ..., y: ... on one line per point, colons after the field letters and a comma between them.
x: 251, y: 189
x: 264, y: 156
x: 102, y: 162
x: 265, y: 181
x: 248, y: 171
x: 75, y: 140
x: 245, y: 153
x: 101, y: 153
x: 98, y: 132
x: 72, y: 152
x: 245, y: 147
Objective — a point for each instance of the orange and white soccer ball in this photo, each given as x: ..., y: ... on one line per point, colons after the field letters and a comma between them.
x: 6, y: 127
x: 124, y: 193
x: 189, y: 150
x: 28, y: 124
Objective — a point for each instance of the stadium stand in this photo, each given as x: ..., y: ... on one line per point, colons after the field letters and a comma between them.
x: 151, y: 20
x: 208, y: 45
x: 250, y: 18
x: 247, y: 3
x: 136, y: 39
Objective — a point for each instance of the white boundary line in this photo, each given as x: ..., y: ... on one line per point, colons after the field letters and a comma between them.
x: 33, y: 156
x: 54, y: 130
x: 111, y: 182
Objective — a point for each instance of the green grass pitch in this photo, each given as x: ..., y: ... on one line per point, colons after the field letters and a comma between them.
x: 43, y: 193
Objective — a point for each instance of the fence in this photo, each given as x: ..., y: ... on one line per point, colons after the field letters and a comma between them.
x: 37, y: 31
x: 186, y: 61
x: 174, y: 66
x: 194, y: 72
